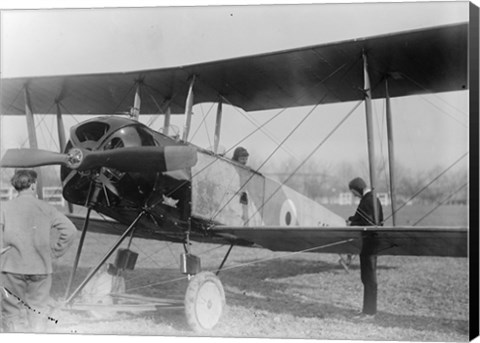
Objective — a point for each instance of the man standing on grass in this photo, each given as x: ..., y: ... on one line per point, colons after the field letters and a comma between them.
x: 365, y: 216
x: 26, y: 259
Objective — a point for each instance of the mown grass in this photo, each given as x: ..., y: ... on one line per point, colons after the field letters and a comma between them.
x: 276, y: 295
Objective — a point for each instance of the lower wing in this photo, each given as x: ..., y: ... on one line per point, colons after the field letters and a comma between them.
x: 413, y: 241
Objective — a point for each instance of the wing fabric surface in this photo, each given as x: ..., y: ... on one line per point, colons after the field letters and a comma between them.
x: 410, y: 241
x: 326, y: 73
x: 99, y: 225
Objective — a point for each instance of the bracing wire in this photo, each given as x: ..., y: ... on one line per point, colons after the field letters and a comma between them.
x: 440, y: 203
x: 69, y: 112
x: 242, y: 265
x: 147, y: 88
x: 57, y: 145
x: 261, y: 126
x: 382, y: 151
x: 428, y: 185
x: 269, y: 157
x: 37, y: 125
x: 307, y: 158
x: 203, y: 122
x: 124, y: 98
x: 439, y: 98
x: 279, y: 145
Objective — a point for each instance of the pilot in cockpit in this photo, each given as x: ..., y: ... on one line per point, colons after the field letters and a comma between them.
x: 240, y: 155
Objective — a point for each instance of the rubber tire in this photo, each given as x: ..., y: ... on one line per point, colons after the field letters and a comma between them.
x: 204, y: 301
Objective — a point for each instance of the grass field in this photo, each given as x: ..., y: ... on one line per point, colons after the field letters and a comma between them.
x: 277, y: 295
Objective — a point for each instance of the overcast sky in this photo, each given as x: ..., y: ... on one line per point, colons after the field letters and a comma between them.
x: 429, y: 130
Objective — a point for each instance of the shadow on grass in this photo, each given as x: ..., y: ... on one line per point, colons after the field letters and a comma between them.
x: 260, y: 287
x: 284, y: 268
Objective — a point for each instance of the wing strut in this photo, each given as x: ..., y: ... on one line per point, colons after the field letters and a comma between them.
x: 224, y: 260
x: 61, y: 139
x: 137, y: 102
x: 60, y: 128
x: 391, y: 156
x: 188, y: 110
x: 166, y: 121
x: 370, y: 136
x: 218, y: 126
x: 32, y: 137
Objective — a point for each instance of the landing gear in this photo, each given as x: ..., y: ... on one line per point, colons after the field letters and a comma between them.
x: 204, y: 301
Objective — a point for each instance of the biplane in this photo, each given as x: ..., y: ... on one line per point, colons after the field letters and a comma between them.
x: 159, y: 186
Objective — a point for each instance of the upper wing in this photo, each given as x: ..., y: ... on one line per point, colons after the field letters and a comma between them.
x: 421, y: 61
x: 413, y: 241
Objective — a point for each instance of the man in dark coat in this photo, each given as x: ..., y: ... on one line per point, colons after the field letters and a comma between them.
x: 364, y: 216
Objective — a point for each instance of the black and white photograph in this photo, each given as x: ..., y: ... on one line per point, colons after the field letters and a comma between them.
x: 246, y: 170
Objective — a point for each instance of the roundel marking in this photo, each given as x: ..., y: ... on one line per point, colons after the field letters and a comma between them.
x: 288, y: 213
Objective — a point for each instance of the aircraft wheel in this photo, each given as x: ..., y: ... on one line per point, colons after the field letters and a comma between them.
x: 204, y: 301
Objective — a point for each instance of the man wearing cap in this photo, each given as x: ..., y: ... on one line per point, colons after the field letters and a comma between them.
x: 240, y: 155
x: 364, y: 216
x: 26, y: 258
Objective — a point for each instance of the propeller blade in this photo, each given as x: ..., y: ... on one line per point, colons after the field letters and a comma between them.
x: 138, y: 159
x: 28, y: 158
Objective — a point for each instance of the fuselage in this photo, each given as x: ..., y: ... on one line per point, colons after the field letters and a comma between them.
x: 215, y: 191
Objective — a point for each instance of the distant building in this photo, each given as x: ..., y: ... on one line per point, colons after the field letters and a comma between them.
x: 384, y: 199
x: 345, y: 198
x: 6, y: 193
x: 53, y: 195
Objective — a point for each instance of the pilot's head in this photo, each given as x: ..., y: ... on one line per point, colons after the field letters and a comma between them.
x: 24, y: 179
x: 357, y: 186
x: 240, y: 155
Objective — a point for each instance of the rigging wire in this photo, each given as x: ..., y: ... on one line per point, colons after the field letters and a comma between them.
x: 176, y: 264
x: 203, y: 122
x: 149, y: 256
x: 308, y: 157
x: 418, y: 84
x: 260, y: 128
x: 268, y: 157
x: 278, y: 147
x: 57, y: 145
x: 428, y: 185
x: 42, y: 119
x: 241, y: 265
x: 441, y: 202
x: 124, y: 98
x: 69, y: 112
x: 147, y: 88
x: 15, y: 99
x: 264, y: 124
x: 381, y: 134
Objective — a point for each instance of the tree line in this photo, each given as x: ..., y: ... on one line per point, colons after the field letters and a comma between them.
x: 319, y: 180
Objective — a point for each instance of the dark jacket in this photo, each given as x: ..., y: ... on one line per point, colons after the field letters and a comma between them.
x: 364, y: 214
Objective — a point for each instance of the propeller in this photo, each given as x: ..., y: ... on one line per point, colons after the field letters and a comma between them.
x: 130, y: 159
x: 25, y: 158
